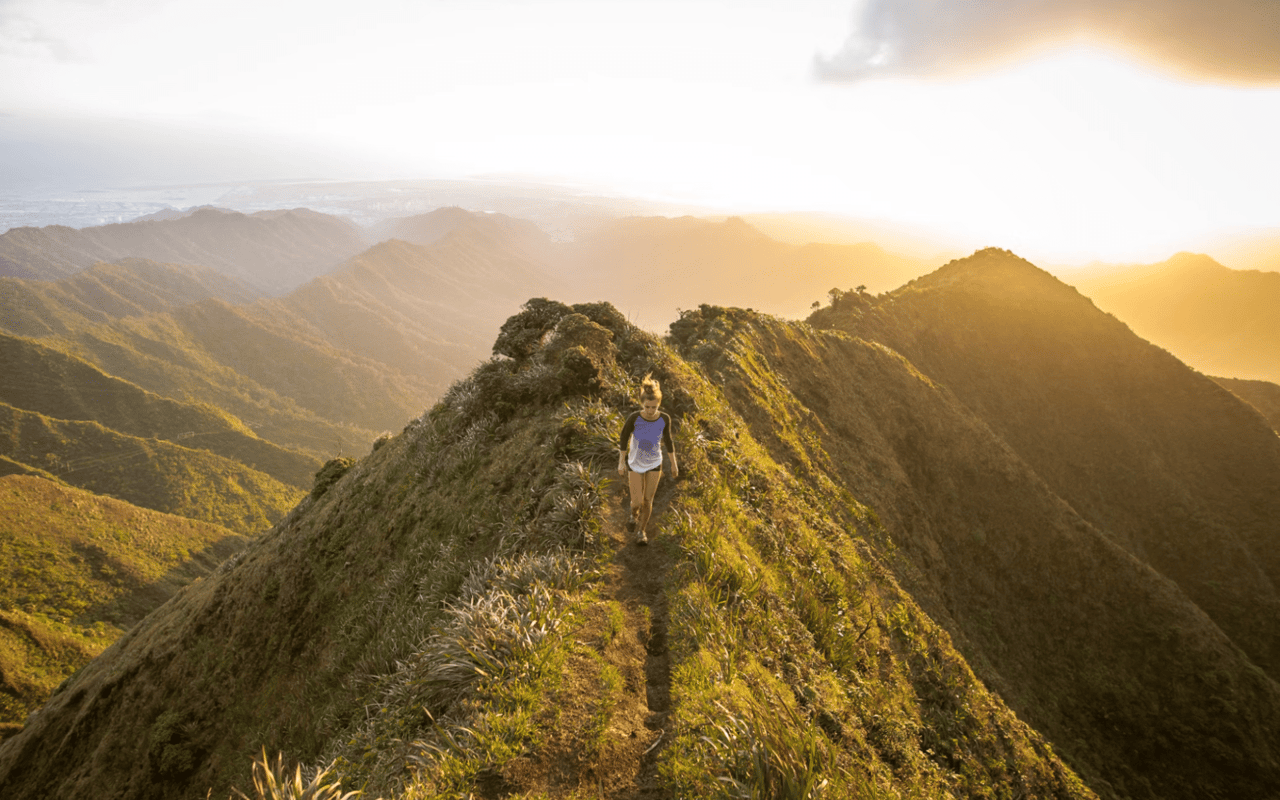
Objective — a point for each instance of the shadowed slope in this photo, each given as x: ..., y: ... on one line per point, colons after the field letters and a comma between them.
x: 1262, y: 395
x: 1162, y: 460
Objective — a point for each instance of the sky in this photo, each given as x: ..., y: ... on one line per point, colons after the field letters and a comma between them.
x: 1066, y: 130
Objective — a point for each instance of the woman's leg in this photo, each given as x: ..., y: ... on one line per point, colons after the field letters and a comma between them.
x: 635, y: 481
x: 650, y: 489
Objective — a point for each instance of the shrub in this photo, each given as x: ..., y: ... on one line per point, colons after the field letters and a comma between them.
x: 329, y: 474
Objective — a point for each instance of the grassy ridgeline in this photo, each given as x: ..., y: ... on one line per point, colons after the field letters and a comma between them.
x: 426, y: 623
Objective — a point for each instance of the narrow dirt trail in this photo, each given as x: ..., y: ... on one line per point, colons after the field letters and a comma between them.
x: 626, y: 630
x: 635, y: 579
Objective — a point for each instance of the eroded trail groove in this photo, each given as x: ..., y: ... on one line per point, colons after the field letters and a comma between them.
x: 608, y: 722
x: 635, y: 579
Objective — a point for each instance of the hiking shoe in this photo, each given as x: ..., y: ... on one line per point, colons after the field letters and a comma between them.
x: 641, y: 538
x: 631, y: 525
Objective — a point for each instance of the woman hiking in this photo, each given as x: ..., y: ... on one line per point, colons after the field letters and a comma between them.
x: 644, y: 436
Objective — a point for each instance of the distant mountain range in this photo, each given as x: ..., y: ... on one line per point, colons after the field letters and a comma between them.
x: 1221, y: 321
x: 273, y: 251
x: 652, y: 266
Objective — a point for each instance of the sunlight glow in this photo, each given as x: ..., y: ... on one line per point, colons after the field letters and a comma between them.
x: 1078, y: 154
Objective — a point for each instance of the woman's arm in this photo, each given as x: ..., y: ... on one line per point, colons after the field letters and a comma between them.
x: 669, y: 441
x: 624, y: 442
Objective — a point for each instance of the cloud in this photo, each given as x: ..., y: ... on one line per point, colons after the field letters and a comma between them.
x: 1230, y: 41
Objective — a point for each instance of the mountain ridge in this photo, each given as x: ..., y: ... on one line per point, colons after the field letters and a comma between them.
x: 865, y: 560
x: 1174, y: 468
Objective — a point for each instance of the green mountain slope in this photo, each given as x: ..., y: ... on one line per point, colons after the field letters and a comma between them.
x: 1081, y: 639
x: 1220, y: 321
x: 289, y: 362
x: 427, y: 311
x: 79, y: 570
x: 150, y: 473
x: 1162, y: 460
x: 322, y: 369
x: 857, y: 587
x: 129, y: 287
x: 274, y: 251
x: 56, y: 385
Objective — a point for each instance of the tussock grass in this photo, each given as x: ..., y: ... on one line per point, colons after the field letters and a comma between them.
x: 272, y: 781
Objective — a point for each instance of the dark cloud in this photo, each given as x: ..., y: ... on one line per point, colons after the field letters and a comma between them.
x: 1234, y: 41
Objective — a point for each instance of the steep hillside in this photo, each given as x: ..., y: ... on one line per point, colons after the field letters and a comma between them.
x: 851, y: 588
x: 273, y: 251
x: 45, y: 381
x: 650, y: 266
x: 1167, y: 464
x: 484, y: 605
x: 76, y: 571
x: 1262, y: 395
x: 295, y: 363
x: 430, y: 311
x: 151, y: 473
x: 164, y: 355
x: 130, y: 287
x: 1220, y: 321
x: 1093, y: 648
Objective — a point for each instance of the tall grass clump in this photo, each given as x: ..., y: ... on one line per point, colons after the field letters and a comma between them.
x: 769, y: 752
x: 272, y: 781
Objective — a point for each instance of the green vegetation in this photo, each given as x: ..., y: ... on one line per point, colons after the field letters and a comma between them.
x: 856, y: 588
x: 51, y: 383
x: 78, y: 571
x: 146, y: 472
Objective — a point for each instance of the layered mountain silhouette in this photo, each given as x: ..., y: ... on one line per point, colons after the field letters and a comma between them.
x: 973, y: 537
x: 327, y: 366
x: 273, y: 251
x: 1220, y: 321
x: 660, y: 265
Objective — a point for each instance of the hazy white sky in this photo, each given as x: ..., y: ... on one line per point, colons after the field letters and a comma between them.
x: 1062, y: 130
